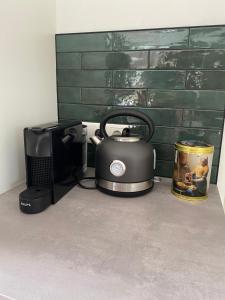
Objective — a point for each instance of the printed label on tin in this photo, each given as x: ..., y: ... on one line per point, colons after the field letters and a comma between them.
x: 191, y: 176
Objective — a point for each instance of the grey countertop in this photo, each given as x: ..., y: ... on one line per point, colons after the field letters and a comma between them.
x: 90, y: 246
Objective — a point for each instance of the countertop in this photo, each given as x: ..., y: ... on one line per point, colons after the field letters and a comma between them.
x: 91, y: 246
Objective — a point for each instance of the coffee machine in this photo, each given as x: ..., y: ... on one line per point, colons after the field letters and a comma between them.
x: 56, y: 159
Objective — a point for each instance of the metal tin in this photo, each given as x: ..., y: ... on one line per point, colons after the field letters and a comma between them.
x: 192, y: 170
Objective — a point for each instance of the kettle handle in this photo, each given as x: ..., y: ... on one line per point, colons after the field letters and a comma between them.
x: 131, y: 113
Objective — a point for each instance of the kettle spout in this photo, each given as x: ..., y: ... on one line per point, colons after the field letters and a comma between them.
x: 95, y: 140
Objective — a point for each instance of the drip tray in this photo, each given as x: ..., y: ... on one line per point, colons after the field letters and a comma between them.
x: 34, y: 199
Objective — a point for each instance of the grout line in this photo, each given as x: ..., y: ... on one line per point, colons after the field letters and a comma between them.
x: 81, y: 95
x: 143, y: 50
x: 146, y: 108
x: 56, y: 81
x: 140, y: 88
x: 148, y: 88
x: 113, y: 41
x: 189, y: 36
x: 185, y: 82
x: 144, y: 70
x: 112, y: 85
x: 143, y: 29
x: 81, y: 60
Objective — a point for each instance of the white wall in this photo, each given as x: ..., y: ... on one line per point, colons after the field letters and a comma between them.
x: 27, y: 77
x: 97, y: 15
x: 221, y: 174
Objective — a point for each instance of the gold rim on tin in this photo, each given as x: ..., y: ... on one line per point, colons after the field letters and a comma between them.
x: 198, y: 150
x: 183, y: 197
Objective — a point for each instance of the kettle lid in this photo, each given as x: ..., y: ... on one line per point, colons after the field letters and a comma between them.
x: 127, y: 139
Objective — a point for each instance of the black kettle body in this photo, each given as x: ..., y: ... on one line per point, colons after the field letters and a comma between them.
x: 124, y: 164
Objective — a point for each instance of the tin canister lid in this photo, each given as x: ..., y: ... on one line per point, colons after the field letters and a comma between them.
x: 193, y: 146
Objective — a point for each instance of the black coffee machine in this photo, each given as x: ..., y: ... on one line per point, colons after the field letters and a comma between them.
x: 56, y: 159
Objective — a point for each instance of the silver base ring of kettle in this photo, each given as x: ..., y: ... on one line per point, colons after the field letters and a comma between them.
x: 125, y: 187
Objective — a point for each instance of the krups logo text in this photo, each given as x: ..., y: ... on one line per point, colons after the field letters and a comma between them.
x: 25, y: 204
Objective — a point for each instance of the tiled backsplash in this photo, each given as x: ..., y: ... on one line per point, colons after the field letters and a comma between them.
x: 176, y: 76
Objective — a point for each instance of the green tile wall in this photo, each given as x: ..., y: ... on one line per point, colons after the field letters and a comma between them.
x: 176, y: 76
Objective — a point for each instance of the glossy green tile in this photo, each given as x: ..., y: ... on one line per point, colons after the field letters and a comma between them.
x: 96, y: 41
x: 187, y: 99
x: 129, y: 97
x: 187, y: 59
x: 164, y: 169
x: 91, y: 155
x: 69, y: 94
x: 100, y: 96
x: 211, y: 136
x: 140, y: 130
x: 91, y: 159
x: 149, y: 79
x: 214, y: 172
x: 204, y: 119
x: 68, y: 60
x: 91, y: 148
x: 82, y: 112
x: 170, y: 135
x: 80, y: 78
x: 211, y: 80
x: 120, y: 97
x: 150, y: 39
x: 207, y: 37
x: 165, y: 152
x: 206, y: 59
x: 216, y: 156
x: 164, y: 117
x: 165, y: 135
x: 172, y: 59
x: 115, y: 60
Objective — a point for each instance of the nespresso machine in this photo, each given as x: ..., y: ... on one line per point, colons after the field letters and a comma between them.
x: 56, y: 159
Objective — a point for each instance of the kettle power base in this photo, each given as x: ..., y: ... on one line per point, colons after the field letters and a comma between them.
x: 124, y: 189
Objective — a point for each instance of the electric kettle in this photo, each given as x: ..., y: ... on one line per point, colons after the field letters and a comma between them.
x: 124, y: 164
